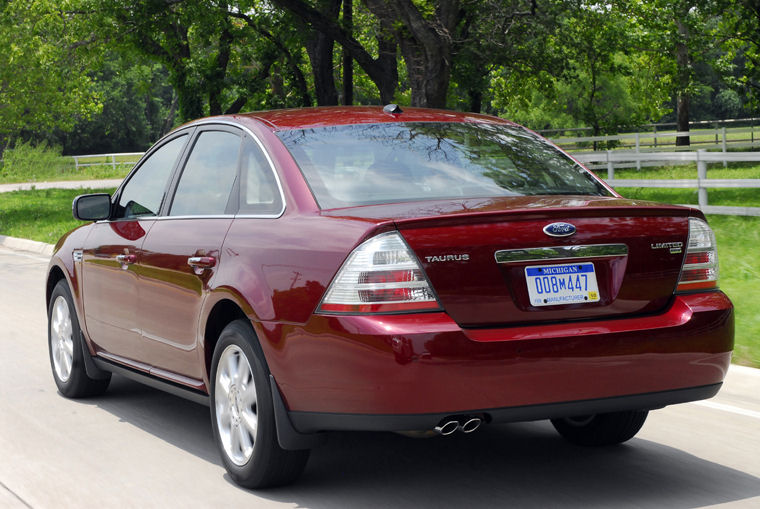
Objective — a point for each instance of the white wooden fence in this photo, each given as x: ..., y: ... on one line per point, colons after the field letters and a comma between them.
x: 106, y: 159
x: 706, y: 134
x: 612, y: 159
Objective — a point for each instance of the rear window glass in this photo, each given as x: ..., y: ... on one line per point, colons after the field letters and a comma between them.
x: 384, y: 163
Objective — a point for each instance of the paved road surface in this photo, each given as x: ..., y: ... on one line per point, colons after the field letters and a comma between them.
x: 137, y: 447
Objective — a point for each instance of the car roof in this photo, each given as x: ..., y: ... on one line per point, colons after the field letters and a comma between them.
x: 302, y: 118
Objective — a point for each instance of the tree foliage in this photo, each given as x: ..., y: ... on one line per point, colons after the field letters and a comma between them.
x: 150, y: 64
x: 44, y: 82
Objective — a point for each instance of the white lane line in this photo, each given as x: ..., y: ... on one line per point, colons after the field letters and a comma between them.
x: 729, y: 408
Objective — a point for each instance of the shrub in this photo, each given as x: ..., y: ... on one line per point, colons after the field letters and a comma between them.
x: 29, y: 163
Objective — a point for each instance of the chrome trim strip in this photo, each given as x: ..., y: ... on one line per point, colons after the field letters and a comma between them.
x: 538, y: 254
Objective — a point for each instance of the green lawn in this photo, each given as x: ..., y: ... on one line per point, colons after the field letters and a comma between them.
x: 688, y: 171
x: 42, y: 215
x: 45, y: 215
x: 738, y: 240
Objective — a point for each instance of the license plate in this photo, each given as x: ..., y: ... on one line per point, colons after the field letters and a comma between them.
x: 554, y: 285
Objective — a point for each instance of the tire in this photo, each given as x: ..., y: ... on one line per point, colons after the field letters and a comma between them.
x: 242, y: 413
x: 65, y: 348
x: 601, y: 429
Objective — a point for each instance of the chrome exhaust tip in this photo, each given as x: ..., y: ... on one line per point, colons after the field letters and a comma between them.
x: 446, y: 428
x: 471, y: 425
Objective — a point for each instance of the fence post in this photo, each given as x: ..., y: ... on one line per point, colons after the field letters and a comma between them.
x: 638, y: 160
x: 113, y: 161
x: 655, y: 136
x: 701, y: 175
x: 76, y: 163
x: 610, y: 167
x: 725, y: 163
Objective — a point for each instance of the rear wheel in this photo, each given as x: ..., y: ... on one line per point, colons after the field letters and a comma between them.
x: 601, y: 429
x: 65, y: 348
x: 242, y: 413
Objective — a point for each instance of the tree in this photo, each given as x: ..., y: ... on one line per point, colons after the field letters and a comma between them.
x: 677, y: 34
x: 43, y: 80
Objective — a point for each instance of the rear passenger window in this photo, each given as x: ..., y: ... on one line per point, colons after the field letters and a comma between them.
x: 259, y: 194
x: 206, y: 184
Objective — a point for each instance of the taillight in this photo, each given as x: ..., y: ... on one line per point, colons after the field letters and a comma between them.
x: 381, y: 275
x: 700, y: 265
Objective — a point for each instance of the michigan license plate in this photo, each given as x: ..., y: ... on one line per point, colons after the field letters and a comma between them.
x: 554, y: 285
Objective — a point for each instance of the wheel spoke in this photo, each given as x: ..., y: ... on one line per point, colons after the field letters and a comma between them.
x: 68, y: 347
x: 67, y: 362
x: 251, y: 422
x: 246, y: 441
x: 249, y: 396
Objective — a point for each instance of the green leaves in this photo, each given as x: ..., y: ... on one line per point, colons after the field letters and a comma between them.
x: 44, y: 83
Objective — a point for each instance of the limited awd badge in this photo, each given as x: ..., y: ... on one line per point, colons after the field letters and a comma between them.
x: 559, y: 229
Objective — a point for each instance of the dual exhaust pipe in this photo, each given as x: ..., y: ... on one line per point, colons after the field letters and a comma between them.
x: 463, y: 423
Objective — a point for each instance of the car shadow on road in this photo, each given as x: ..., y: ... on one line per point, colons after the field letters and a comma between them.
x: 521, y: 464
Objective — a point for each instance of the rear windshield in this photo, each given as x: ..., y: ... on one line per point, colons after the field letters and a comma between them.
x: 385, y: 163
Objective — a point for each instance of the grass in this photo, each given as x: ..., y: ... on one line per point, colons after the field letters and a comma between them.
x: 45, y: 215
x: 65, y: 171
x: 738, y: 240
x: 42, y: 215
x: 688, y: 171
x: 27, y: 163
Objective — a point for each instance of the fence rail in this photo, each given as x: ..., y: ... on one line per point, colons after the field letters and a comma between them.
x: 612, y: 159
x: 720, y: 138
x: 106, y: 159
x: 652, y: 128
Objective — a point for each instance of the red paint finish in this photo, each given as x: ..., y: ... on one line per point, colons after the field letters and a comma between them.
x: 427, y: 364
x: 485, y: 348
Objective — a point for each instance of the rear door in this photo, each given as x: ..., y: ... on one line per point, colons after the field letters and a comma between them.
x: 182, y: 252
x: 109, y: 279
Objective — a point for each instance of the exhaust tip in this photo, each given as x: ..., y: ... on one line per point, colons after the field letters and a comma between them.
x: 471, y: 425
x: 447, y: 428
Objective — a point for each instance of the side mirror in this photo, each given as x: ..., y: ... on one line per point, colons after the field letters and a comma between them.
x: 91, y: 207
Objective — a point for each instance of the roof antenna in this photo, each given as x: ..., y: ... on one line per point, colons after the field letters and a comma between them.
x: 393, y: 109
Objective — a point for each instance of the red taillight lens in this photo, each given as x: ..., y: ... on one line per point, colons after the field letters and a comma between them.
x: 381, y: 275
x: 700, y: 265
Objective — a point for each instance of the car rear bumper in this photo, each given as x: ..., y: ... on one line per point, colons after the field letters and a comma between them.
x: 401, y: 371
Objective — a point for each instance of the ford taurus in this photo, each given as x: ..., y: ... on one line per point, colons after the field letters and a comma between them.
x: 419, y: 271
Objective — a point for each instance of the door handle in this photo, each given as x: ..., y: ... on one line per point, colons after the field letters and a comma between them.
x: 126, y: 259
x: 201, y: 262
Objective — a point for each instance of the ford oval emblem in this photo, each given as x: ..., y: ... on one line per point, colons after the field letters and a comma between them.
x: 559, y: 229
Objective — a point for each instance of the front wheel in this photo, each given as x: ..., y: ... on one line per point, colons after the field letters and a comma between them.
x: 65, y: 348
x: 242, y: 413
x: 601, y: 429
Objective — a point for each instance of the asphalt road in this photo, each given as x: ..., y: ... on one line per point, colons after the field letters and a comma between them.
x: 138, y: 447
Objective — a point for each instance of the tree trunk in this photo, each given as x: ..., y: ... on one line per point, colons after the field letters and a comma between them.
x: 425, y: 43
x: 320, y: 49
x: 684, y: 79
x: 348, y: 61
x: 382, y: 71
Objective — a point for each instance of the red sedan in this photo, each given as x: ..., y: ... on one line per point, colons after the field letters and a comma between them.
x: 420, y: 271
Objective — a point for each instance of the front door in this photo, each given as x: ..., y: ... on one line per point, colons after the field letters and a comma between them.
x: 112, y: 253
